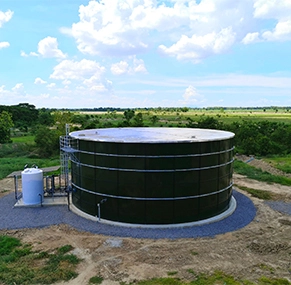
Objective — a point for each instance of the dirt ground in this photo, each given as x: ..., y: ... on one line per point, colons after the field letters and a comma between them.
x: 262, y: 248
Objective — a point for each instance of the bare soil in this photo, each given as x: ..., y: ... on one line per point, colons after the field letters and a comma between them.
x: 262, y: 248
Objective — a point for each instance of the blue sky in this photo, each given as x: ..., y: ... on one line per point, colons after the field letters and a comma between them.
x: 145, y: 53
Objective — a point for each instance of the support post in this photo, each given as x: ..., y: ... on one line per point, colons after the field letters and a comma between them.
x: 16, y: 186
x: 40, y: 196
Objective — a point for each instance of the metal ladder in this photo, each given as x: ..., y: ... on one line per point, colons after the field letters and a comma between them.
x: 68, y: 148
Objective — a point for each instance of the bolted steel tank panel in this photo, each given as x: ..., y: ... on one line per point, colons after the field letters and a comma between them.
x: 152, y: 175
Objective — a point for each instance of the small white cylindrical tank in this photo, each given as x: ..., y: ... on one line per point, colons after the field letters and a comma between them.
x: 32, y: 186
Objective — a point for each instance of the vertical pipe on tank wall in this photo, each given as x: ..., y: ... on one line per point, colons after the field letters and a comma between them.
x: 99, y: 208
x: 99, y: 212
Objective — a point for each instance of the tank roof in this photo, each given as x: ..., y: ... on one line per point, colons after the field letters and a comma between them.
x: 151, y: 135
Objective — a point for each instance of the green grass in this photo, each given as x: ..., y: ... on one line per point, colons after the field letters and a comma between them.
x: 161, y: 281
x: 217, y: 278
x: 264, y: 195
x: 19, y: 264
x: 280, y: 162
x: 14, y: 156
x: 15, y: 150
x: 8, y: 165
x: 259, y: 175
x: 23, y: 139
x: 7, y: 245
x: 96, y: 280
x: 179, y: 119
x: 171, y: 273
x: 65, y: 249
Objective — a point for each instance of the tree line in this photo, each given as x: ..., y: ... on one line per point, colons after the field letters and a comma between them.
x: 258, y: 138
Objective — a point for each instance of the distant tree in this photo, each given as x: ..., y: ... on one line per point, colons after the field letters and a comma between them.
x: 24, y: 114
x: 209, y: 123
x: 45, y: 117
x: 138, y: 120
x: 128, y: 115
x: 79, y: 119
x: 185, y: 109
x: 154, y: 119
x: 6, y: 124
x: 92, y: 124
x: 47, y: 141
x: 191, y: 123
x: 61, y: 119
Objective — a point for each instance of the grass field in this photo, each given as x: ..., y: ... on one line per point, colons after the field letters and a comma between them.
x: 20, y: 265
x: 281, y: 162
x: 14, y: 156
x: 23, y: 139
x: 257, y: 174
x: 178, y: 118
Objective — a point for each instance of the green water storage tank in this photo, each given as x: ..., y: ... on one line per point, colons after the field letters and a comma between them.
x: 152, y: 176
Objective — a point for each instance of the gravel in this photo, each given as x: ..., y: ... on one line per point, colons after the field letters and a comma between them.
x: 280, y: 206
x: 39, y: 217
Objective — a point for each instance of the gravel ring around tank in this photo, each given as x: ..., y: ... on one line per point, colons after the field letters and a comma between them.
x: 40, y: 217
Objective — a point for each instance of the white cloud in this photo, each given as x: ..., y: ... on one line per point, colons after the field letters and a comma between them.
x: 189, y: 30
x: 48, y: 47
x: 51, y: 85
x: 105, y: 28
x: 18, y: 87
x: 251, y: 38
x: 5, y: 17
x: 98, y: 83
x: 191, y: 95
x: 76, y: 70
x: 88, y: 73
x: 66, y: 82
x: 139, y: 66
x: 2, y: 88
x: 4, y: 45
x: 198, y: 47
x: 33, y: 54
x: 123, y: 67
x: 119, y: 68
x: 278, y: 10
x: 24, y: 54
x: 44, y: 96
x: 38, y: 80
x: 281, y: 32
